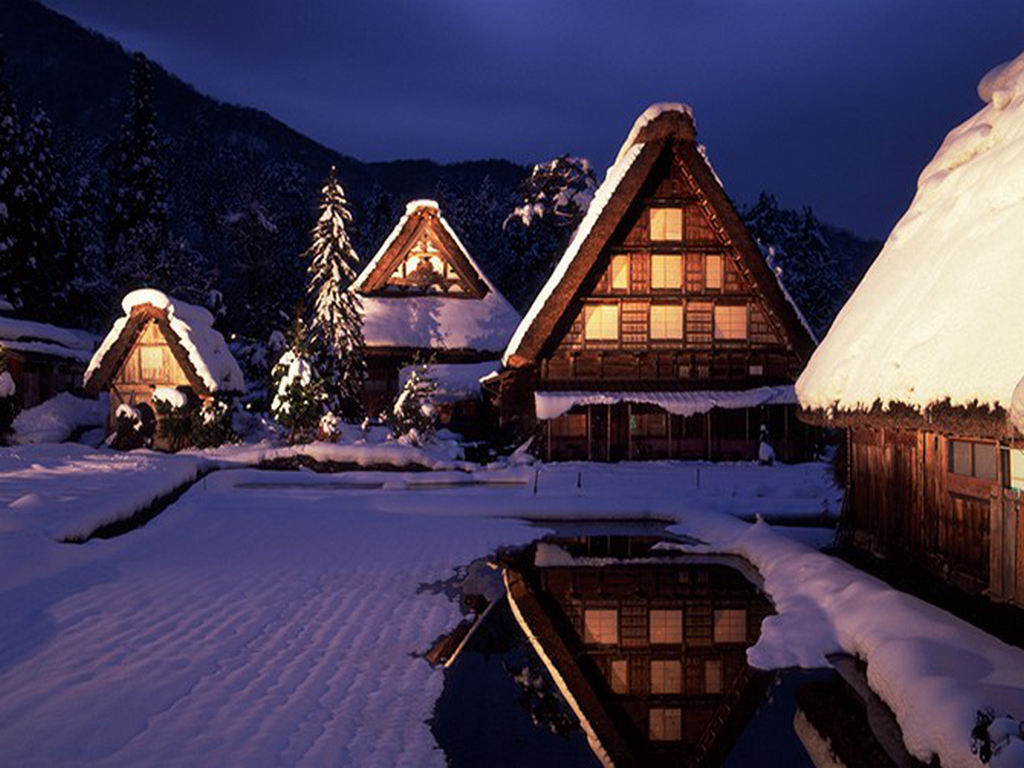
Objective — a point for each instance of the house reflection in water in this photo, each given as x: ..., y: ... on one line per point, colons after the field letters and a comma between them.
x: 647, y: 648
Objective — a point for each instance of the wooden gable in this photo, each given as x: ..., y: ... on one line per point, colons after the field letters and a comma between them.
x: 147, y: 352
x: 424, y: 258
x: 670, y: 263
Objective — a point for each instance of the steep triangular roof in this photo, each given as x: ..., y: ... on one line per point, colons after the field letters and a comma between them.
x: 200, y: 350
x: 663, y: 128
x: 479, y: 319
x: 422, y: 218
x: 932, y: 328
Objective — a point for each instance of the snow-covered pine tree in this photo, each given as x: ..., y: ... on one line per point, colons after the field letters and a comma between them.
x: 299, y: 396
x: 91, y: 292
x: 137, y: 216
x: 336, y: 324
x: 413, y: 417
x: 8, y: 407
x: 379, y: 218
x: 15, y: 269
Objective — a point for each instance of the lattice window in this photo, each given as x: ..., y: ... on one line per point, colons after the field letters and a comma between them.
x: 601, y: 322
x: 730, y: 322
x: 601, y: 626
x: 666, y: 676
x: 666, y: 272
x: 713, y: 271
x: 620, y: 273
x: 730, y: 625
x: 666, y: 626
x: 712, y: 676
x: 666, y: 224
x: 620, y: 676
x: 698, y: 322
x: 667, y: 321
x: 666, y: 724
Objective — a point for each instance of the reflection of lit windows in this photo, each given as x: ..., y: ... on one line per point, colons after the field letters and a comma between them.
x: 620, y: 273
x: 601, y: 322
x: 666, y: 626
x: 666, y: 677
x: 666, y: 224
x: 601, y: 626
x: 731, y: 625
x: 620, y: 676
x: 713, y: 676
x: 730, y: 322
x: 666, y: 321
x: 666, y: 724
x: 666, y: 271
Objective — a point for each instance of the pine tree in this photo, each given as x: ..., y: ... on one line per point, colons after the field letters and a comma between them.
x: 300, y: 397
x: 379, y: 219
x: 137, y: 218
x: 413, y: 417
x: 336, y: 325
x: 15, y: 266
x: 91, y: 292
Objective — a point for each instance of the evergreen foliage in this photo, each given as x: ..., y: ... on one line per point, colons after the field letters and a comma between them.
x: 300, y: 397
x: 336, y: 324
x: 8, y: 406
x: 413, y: 417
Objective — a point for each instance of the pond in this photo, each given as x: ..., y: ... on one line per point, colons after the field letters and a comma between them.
x: 611, y: 649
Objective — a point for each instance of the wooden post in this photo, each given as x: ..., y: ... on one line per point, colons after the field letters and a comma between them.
x: 590, y: 445
x: 670, y: 420
x: 629, y: 431
x: 707, y: 435
x: 608, y: 435
x: 547, y: 432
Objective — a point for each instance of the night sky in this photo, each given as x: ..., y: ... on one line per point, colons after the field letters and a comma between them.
x: 837, y: 105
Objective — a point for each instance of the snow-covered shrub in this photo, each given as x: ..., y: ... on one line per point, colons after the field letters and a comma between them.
x: 174, y: 417
x: 413, y: 417
x: 58, y: 419
x: 765, y: 452
x: 212, y: 424
x: 131, y: 429
x: 330, y: 428
x: 299, y: 394
x: 8, y: 408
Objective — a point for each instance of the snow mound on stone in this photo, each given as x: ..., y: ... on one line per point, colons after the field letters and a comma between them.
x: 934, y: 318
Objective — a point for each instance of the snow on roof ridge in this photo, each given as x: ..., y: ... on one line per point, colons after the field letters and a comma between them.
x: 648, y: 116
x: 414, y: 205
x: 207, y: 350
x: 613, y: 177
x: 1000, y: 84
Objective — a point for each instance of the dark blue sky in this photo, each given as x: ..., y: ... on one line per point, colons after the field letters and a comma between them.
x: 828, y: 103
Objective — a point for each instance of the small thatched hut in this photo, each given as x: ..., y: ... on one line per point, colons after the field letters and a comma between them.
x: 161, y: 346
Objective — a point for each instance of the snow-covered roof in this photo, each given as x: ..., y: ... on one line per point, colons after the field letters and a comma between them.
x: 935, y: 317
x: 434, y: 322
x: 614, y: 176
x: 454, y: 381
x: 207, y: 351
x: 551, y: 405
x: 43, y: 338
x: 649, y: 116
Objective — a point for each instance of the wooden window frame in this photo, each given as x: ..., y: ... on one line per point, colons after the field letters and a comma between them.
x: 663, y: 259
x: 596, y: 621
x: 665, y: 235
x: 663, y: 615
x: 587, y: 309
x: 725, y: 621
x: 974, y: 446
x: 665, y: 307
x: 720, y: 260
x: 614, y: 273
x: 715, y: 324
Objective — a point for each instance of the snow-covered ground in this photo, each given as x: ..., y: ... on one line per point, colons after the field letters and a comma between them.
x: 275, y: 617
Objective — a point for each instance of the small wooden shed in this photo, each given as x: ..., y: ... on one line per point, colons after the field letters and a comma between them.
x: 161, y: 343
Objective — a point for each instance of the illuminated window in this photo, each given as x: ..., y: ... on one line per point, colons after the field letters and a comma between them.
x: 666, y: 271
x: 666, y: 224
x: 1017, y: 468
x: 666, y: 724
x: 601, y: 626
x: 730, y: 322
x: 620, y: 273
x: 152, y: 361
x: 620, y: 676
x: 666, y: 321
x: 601, y: 322
x: 713, y: 676
x: 666, y: 626
x: 973, y: 459
x: 666, y: 677
x: 731, y: 625
x: 713, y: 272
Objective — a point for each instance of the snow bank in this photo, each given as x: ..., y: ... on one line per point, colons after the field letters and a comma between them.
x: 56, y: 419
x: 933, y: 670
x: 551, y: 405
x: 934, y: 318
x: 69, y: 490
x: 455, y: 381
x: 206, y: 348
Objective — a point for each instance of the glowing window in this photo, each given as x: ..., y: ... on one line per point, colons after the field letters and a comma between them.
x: 620, y: 273
x: 666, y: 224
x: 713, y: 676
x: 601, y: 626
x: 666, y: 271
x: 730, y: 322
x: 713, y: 272
x: 152, y: 361
x: 1017, y: 468
x: 666, y: 321
x: 666, y: 626
x: 731, y: 625
x: 666, y: 677
x: 620, y: 676
x: 601, y: 322
x: 666, y: 724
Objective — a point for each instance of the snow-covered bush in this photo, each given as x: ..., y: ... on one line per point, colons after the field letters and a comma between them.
x: 299, y: 393
x: 213, y: 424
x: 413, y: 417
x: 131, y: 429
x: 7, y: 403
x: 174, y: 417
x: 330, y: 427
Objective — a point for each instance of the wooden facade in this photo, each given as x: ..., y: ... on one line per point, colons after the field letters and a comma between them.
x: 664, y: 291
x: 951, y: 503
x: 39, y: 376
x: 654, y: 654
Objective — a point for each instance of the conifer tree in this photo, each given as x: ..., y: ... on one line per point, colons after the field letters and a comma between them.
x: 336, y: 324
x: 14, y: 261
x: 413, y: 417
x: 299, y: 395
x: 379, y: 219
x: 137, y: 218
